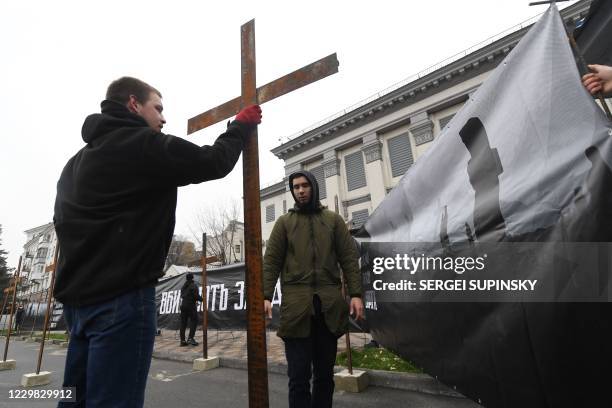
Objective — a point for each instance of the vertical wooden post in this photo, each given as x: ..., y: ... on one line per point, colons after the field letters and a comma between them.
x: 10, y: 325
x: 204, y: 301
x: 47, y: 314
x: 8, y: 293
x: 256, y: 338
x: 38, y: 310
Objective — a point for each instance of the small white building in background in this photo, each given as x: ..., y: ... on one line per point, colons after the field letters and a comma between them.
x: 359, y: 155
x: 37, y: 260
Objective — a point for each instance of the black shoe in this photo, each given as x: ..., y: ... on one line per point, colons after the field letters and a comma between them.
x: 184, y: 343
x: 192, y: 342
x: 372, y: 344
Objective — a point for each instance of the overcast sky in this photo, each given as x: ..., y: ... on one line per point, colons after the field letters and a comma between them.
x: 58, y: 57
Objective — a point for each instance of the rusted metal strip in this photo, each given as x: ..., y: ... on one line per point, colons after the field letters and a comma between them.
x: 214, y: 115
x: 10, y: 326
x: 256, y: 334
x: 290, y: 82
x: 48, y: 313
x: 297, y: 79
x: 7, y: 293
x: 37, y: 310
x: 204, y: 301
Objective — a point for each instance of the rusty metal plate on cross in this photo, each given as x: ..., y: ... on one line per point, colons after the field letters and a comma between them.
x: 290, y: 82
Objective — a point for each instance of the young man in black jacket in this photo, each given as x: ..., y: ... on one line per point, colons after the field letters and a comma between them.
x: 189, y: 311
x: 114, y: 218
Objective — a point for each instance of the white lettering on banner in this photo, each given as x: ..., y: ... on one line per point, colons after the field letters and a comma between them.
x: 200, y: 304
x: 162, y: 304
x: 213, y: 298
x: 223, y: 295
x: 240, y: 305
x: 217, y: 298
x: 277, y: 296
x: 176, y: 300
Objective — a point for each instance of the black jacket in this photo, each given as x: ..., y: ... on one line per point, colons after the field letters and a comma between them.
x: 116, y: 202
x: 189, y: 295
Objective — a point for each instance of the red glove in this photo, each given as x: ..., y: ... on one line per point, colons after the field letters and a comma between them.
x: 250, y: 115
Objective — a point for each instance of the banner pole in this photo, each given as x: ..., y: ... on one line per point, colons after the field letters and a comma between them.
x: 584, y: 67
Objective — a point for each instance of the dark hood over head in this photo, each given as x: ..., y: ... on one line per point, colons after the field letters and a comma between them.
x: 313, y: 204
x: 113, y: 115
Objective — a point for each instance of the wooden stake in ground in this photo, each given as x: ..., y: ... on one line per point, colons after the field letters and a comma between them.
x: 204, y: 302
x: 48, y: 313
x: 256, y: 338
x: 10, y: 325
x: 8, y: 291
x: 37, y: 311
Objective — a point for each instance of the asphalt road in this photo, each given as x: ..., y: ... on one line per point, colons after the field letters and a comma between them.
x: 174, y: 384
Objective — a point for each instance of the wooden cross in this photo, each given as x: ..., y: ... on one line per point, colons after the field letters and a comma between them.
x: 256, y: 325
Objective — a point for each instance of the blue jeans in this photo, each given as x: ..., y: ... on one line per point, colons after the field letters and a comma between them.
x: 110, y: 350
x: 316, y: 355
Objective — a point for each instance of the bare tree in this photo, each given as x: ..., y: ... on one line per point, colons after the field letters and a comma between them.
x: 181, y: 252
x: 223, y: 227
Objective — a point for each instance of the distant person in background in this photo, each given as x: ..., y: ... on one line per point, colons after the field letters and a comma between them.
x: 598, y: 80
x: 19, y: 315
x: 190, y: 296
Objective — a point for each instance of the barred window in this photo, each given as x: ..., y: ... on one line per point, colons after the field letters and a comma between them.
x: 445, y: 121
x: 270, y: 215
x: 319, y: 174
x: 359, y: 218
x: 400, y: 154
x: 355, y: 171
x: 41, y: 253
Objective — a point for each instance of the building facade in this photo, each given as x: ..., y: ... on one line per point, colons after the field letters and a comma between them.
x: 360, y: 155
x: 37, y: 261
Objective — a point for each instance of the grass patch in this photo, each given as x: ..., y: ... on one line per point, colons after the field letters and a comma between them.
x: 56, y: 336
x: 52, y: 336
x: 378, y: 359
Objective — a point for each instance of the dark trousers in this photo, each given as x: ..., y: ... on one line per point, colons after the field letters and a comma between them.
x: 191, y: 314
x: 110, y: 350
x: 307, y: 356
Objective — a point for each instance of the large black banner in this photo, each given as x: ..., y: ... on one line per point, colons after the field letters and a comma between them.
x: 225, y: 295
x: 489, y: 263
x: 226, y: 300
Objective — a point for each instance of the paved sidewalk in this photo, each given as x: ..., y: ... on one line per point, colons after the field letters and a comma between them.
x: 233, y: 344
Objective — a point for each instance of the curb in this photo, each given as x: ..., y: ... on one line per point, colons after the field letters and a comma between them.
x: 422, y: 383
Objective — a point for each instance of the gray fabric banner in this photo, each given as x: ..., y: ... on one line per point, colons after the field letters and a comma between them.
x: 527, y: 160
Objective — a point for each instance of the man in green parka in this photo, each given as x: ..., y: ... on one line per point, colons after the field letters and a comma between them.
x: 308, y: 248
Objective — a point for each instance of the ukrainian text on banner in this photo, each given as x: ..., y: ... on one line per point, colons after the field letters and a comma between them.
x: 225, y: 295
